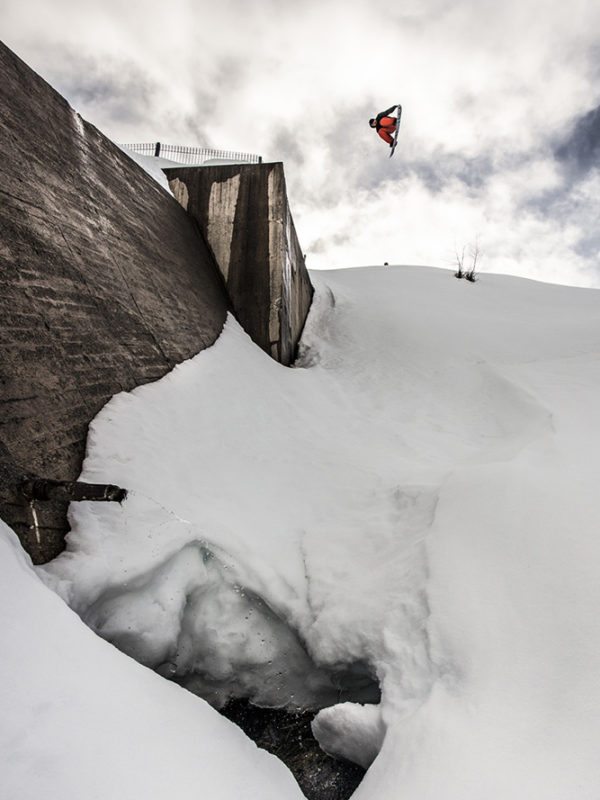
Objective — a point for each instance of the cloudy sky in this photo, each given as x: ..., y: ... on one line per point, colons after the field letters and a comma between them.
x: 500, y: 137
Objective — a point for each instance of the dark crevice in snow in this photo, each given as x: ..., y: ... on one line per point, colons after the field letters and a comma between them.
x: 286, y: 732
x: 288, y: 735
x: 193, y: 619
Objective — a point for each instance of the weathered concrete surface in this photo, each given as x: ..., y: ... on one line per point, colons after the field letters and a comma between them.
x: 105, y: 283
x: 243, y: 212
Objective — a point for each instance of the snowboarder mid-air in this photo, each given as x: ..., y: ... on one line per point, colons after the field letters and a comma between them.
x: 386, y: 125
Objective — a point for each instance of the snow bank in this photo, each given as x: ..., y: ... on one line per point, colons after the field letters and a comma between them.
x: 79, y: 719
x: 416, y: 500
x: 153, y: 166
x: 351, y: 731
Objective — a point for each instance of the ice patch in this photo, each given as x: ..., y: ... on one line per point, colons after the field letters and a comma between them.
x: 79, y: 127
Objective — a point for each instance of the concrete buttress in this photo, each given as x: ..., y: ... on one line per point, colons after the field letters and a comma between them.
x: 244, y: 214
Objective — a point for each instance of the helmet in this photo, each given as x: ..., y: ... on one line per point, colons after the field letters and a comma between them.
x: 372, y: 122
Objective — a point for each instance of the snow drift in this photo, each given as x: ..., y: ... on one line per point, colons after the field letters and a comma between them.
x: 79, y: 719
x: 415, y: 503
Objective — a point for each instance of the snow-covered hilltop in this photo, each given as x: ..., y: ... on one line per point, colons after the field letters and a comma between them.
x: 414, y: 505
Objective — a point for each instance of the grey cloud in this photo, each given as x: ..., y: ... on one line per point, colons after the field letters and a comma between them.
x: 581, y: 149
x: 230, y: 72
x: 442, y: 168
x: 578, y: 153
x: 117, y: 87
x: 414, y: 18
x: 189, y: 129
x: 580, y: 213
x: 355, y: 149
x: 435, y: 171
x: 589, y: 247
x: 194, y: 127
x: 284, y: 143
x: 327, y: 243
x: 318, y: 247
x: 594, y: 60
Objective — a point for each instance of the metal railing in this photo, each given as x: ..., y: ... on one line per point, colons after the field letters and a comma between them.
x: 190, y: 155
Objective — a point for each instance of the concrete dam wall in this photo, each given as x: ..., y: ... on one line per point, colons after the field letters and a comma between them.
x: 244, y: 213
x: 106, y: 283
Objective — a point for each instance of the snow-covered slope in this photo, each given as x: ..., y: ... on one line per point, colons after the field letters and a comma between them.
x: 80, y: 720
x: 416, y: 499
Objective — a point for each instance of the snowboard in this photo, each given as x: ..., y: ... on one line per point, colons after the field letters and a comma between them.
x: 395, y: 142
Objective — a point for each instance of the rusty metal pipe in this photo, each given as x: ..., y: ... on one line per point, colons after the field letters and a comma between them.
x: 46, y: 489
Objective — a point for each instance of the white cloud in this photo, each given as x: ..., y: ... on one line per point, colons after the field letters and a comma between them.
x: 488, y: 89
